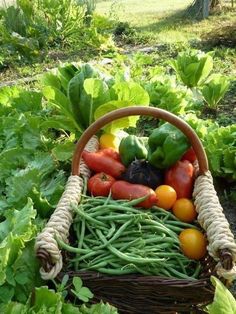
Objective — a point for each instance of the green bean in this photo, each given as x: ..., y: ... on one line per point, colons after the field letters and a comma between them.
x: 92, y: 241
x: 123, y: 246
x: 111, y: 271
x: 165, y: 229
x: 180, y: 263
x: 81, y: 239
x: 161, y: 228
x: 85, y: 245
x: 197, y: 270
x: 91, y: 231
x: 101, y: 256
x: 71, y: 248
x: 174, y: 228
x: 90, y: 254
x: 136, y: 201
x: 98, y: 265
x: 116, y: 217
x: 179, y: 274
x: 125, y: 256
x: 78, y: 233
x: 118, y: 208
x: 181, y: 224
x: 87, y: 217
x: 115, y: 236
x: 111, y: 230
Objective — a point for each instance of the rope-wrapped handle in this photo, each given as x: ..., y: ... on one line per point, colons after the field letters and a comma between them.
x: 224, y: 250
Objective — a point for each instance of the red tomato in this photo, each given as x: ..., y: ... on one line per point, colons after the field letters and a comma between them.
x: 99, y: 162
x: 128, y: 191
x: 189, y: 155
x: 100, y: 184
x: 181, y: 177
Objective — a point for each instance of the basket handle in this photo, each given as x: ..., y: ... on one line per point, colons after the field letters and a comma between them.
x: 140, y: 110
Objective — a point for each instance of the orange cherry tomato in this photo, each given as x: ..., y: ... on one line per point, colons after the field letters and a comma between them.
x: 184, y: 210
x: 166, y: 196
x: 193, y: 243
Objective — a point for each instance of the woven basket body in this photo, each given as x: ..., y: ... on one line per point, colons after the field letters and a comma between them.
x: 148, y: 294
x: 138, y: 293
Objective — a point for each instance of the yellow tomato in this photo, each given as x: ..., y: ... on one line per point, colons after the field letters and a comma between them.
x: 166, y: 196
x: 108, y: 140
x: 193, y: 243
x: 184, y: 210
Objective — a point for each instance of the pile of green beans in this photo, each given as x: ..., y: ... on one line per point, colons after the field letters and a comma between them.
x: 116, y: 238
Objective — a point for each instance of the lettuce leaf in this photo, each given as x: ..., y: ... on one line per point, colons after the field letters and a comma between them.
x: 224, y: 302
x: 126, y: 94
x: 19, y: 268
x: 46, y: 301
x: 193, y: 67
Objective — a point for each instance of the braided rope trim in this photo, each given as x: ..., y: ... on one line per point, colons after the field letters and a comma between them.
x: 212, y: 219
x: 60, y: 221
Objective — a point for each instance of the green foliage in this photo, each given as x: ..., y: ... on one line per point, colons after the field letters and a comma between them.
x: 224, y: 302
x: 45, y: 300
x: 193, y: 67
x: 82, y: 293
x: 19, y: 267
x: 89, y: 94
x: 29, y: 29
x: 220, y: 145
x: 214, y: 89
x: 125, y: 94
x: 165, y: 94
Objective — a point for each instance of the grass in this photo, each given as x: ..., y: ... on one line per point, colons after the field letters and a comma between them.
x: 163, y: 21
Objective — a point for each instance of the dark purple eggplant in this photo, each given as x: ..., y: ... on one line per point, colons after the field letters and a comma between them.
x: 141, y: 172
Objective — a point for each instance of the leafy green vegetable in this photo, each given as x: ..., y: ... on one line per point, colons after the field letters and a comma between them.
x: 220, y: 145
x: 165, y: 94
x: 45, y: 301
x: 224, y: 302
x: 193, y: 67
x: 86, y: 92
x: 126, y: 94
x: 58, y: 99
x: 214, y: 89
x: 18, y: 266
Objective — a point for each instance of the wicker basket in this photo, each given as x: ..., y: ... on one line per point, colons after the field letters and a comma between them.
x: 138, y: 293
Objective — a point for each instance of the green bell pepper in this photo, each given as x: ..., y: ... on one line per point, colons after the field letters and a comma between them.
x: 167, y: 144
x: 131, y: 148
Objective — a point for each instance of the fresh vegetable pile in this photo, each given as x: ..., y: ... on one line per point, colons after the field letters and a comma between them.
x: 124, y: 223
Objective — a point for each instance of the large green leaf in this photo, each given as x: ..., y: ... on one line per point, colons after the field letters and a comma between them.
x: 126, y: 94
x: 64, y: 151
x: 116, y: 125
x: 131, y: 92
